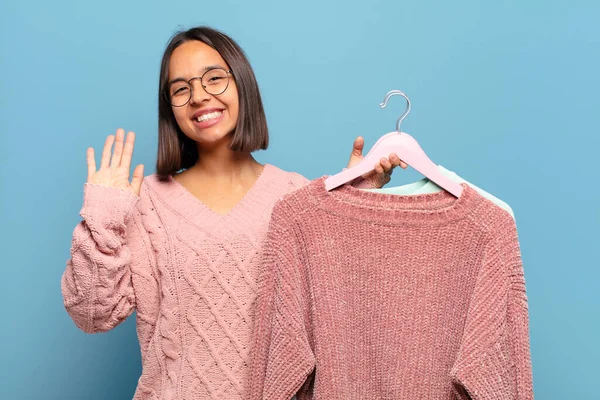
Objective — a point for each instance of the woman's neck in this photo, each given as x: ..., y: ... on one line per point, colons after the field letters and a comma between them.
x: 222, y: 163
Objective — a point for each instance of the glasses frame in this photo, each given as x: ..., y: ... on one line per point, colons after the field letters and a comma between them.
x: 189, y: 82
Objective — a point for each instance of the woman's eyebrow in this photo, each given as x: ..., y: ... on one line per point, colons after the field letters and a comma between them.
x: 203, y: 70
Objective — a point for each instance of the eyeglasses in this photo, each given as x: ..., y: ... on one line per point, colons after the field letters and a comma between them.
x: 214, y: 82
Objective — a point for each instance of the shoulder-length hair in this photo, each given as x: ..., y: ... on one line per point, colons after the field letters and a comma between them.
x: 175, y: 150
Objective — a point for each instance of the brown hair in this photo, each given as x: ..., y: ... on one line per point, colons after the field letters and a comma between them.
x: 175, y: 150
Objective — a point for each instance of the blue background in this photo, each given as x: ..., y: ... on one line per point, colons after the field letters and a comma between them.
x: 504, y: 93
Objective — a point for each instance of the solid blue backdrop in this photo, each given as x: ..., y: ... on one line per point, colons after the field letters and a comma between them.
x: 504, y: 93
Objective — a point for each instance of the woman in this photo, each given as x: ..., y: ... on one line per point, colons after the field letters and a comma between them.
x: 180, y: 247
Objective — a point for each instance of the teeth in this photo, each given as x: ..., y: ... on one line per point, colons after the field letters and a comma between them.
x: 206, y: 117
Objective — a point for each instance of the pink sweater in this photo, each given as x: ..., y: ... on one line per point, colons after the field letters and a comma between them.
x: 188, y: 272
x: 376, y: 296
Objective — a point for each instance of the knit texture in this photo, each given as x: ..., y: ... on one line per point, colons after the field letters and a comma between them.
x: 189, y: 272
x: 377, y: 296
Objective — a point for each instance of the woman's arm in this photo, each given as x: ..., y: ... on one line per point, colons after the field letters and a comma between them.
x: 96, y: 285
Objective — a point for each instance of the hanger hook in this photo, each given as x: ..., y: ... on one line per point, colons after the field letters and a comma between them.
x: 405, y: 113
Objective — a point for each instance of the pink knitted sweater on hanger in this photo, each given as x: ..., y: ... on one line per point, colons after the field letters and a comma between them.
x: 188, y: 272
x: 377, y: 296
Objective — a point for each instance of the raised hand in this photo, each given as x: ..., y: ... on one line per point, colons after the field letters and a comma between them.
x: 114, y: 169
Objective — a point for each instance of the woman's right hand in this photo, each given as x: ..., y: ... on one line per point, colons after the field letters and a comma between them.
x: 114, y: 170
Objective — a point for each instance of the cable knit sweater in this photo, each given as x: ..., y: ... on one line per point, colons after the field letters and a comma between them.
x: 376, y: 296
x: 189, y: 272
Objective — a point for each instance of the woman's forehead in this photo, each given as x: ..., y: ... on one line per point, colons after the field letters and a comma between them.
x: 194, y: 57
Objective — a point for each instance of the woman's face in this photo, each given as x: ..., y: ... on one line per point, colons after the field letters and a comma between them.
x: 207, y: 119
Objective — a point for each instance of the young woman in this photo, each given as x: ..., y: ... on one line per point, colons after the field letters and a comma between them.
x: 180, y: 246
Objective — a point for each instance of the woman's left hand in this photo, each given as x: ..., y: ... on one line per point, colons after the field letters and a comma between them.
x: 383, y: 169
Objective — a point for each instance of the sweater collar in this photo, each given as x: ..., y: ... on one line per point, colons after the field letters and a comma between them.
x: 239, y: 218
x: 392, y: 209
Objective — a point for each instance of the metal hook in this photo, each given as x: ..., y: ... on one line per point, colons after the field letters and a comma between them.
x: 405, y: 113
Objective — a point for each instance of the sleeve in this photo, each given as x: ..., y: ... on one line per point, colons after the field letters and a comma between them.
x: 97, y: 284
x: 282, y: 355
x: 494, y: 360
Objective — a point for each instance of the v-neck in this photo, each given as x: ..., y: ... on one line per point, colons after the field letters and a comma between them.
x: 196, y: 211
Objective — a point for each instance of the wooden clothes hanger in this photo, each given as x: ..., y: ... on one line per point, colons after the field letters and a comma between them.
x: 405, y: 147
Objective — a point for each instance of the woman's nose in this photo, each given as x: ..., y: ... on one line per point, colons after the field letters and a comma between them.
x: 198, y: 93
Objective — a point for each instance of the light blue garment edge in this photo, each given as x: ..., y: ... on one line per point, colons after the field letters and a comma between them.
x: 425, y: 186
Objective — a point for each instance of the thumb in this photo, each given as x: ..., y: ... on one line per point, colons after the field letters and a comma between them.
x: 357, y: 148
x: 138, y: 178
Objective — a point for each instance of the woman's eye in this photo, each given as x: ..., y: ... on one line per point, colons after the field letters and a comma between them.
x: 178, y: 91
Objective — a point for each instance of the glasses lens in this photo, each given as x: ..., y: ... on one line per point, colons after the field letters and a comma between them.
x: 179, y: 93
x: 215, y: 81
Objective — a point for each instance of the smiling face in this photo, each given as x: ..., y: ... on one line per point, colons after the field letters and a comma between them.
x: 232, y: 118
x: 207, y: 119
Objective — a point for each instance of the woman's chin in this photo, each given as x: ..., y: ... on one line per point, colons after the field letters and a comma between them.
x: 212, y: 138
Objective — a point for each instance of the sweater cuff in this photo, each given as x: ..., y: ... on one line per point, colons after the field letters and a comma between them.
x: 289, y: 366
x: 106, y: 207
x: 490, y: 376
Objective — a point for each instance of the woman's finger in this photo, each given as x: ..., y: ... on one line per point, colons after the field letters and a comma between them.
x: 357, y: 146
x: 138, y: 178
x: 128, y: 151
x: 91, y: 163
x: 118, y: 152
x: 106, y: 151
x: 386, y: 164
x: 394, y: 159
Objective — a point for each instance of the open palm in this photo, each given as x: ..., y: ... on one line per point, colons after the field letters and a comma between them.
x: 114, y: 168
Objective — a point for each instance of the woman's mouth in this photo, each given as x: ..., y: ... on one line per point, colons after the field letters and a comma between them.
x: 208, y: 119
